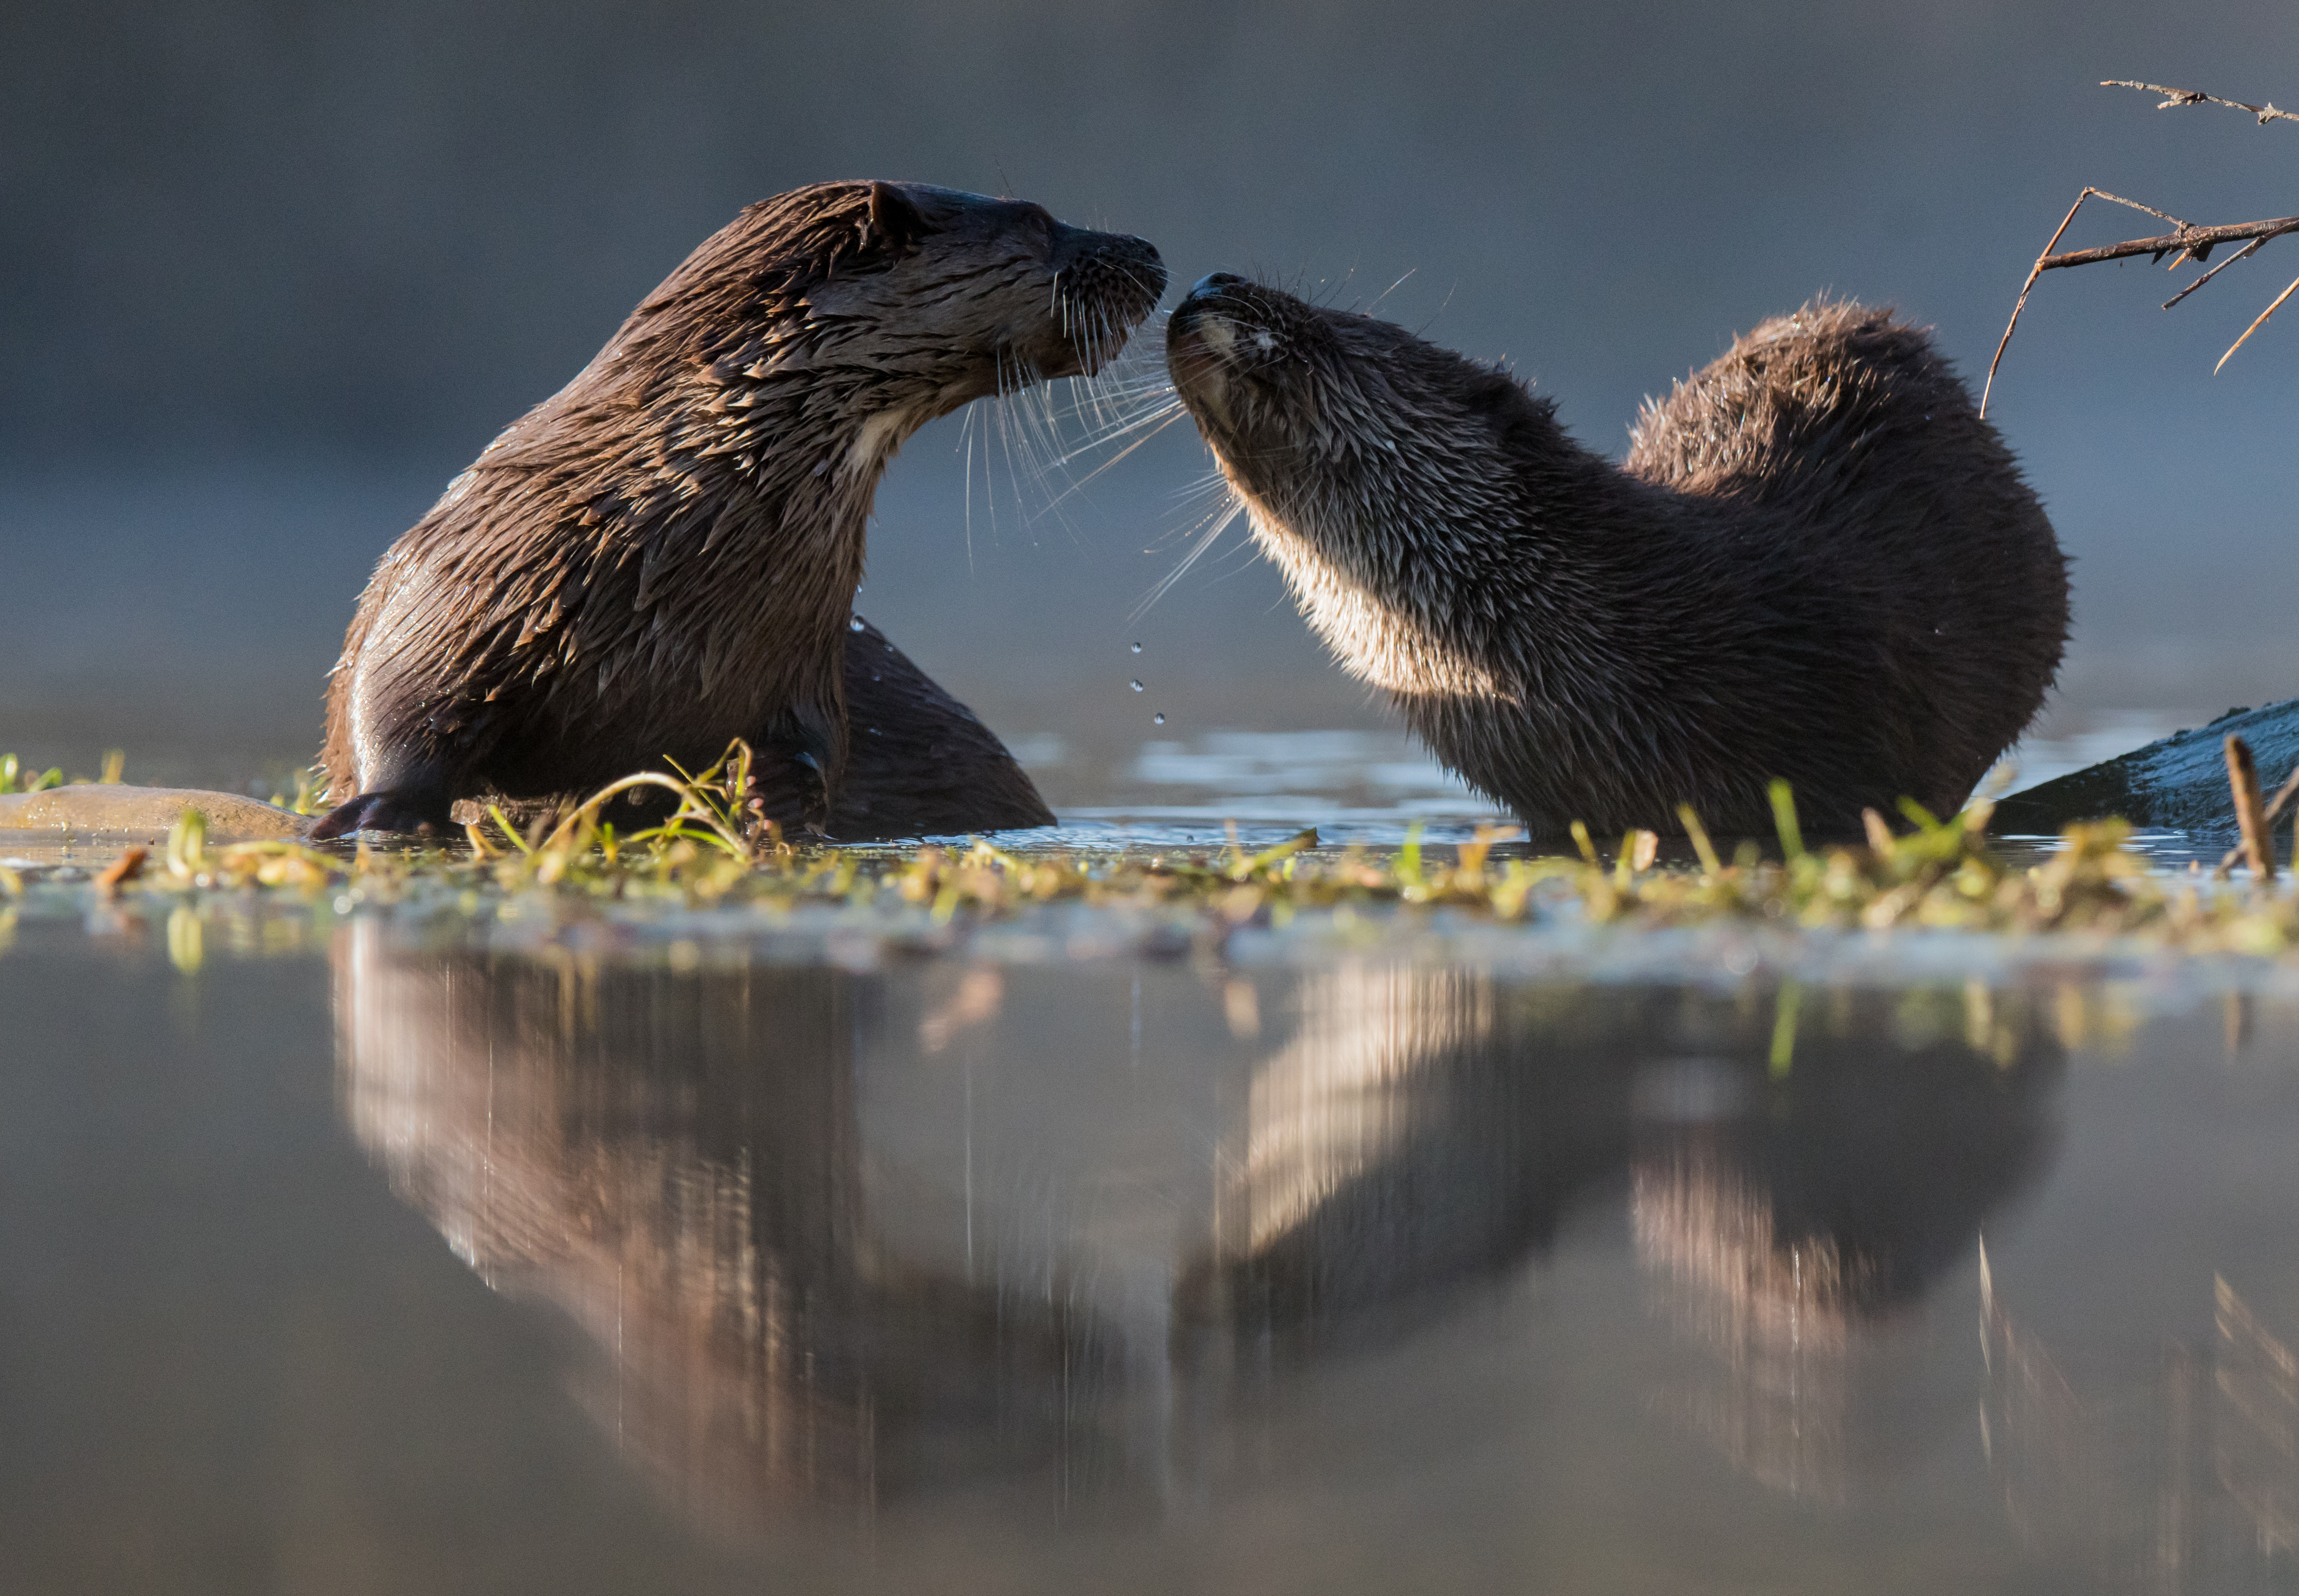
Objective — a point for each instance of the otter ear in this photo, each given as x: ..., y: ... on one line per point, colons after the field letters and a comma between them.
x: 894, y: 216
x: 1499, y: 396
x: 1489, y: 391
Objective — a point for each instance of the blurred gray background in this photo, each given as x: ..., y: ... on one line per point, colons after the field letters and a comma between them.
x: 270, y: 274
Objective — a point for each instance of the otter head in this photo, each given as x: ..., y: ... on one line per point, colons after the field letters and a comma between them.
x: 880, y: 306
x: 1380, y: 472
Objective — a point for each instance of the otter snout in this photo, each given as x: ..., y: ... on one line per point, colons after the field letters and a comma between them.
x: 1105, y: 284
x: 1204, y: 339
x: 1203, y: 307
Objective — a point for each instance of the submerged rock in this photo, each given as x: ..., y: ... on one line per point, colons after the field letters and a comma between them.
x: 2178, y: 783
x: 139, y: 813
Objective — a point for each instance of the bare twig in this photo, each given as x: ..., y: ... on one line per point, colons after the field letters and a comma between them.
x: 2255, y: 325
x: 2034, y: 272
x: 125, y: 868
x: 2247, y: 250
x: 2185, y: 242
x: 2173, y: 98
x: 2194, y: 242
x: 2283, y: 797
x: 2258, y: 841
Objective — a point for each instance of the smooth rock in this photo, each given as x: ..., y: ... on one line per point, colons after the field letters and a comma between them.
x: 138, y: 814
x: 2178, y: 783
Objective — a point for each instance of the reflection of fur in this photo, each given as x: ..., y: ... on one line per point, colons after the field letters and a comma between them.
x: 1426, y: 1126
x: 675, y: 1160
x: 1428, y: 1130
x: 671, y: 1160
x: 1788, y: 1238
x: 1322, y: 1108
x: 2183, y: 1475
x: 1422, y: 1127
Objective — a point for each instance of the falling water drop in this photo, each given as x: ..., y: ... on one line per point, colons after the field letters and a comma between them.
x: 1160, y: 718
x: 1137, y: 648
x: 1137, y: 684
x: 855, y: 624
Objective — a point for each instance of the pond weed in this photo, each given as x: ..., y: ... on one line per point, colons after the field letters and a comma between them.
x: 709, y: 849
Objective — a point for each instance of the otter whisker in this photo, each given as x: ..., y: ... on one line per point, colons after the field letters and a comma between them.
x: 1221, y: 519
x: 965, y: 435
x: 1392, y: 288
x: 1023, y: 423
x: 1175, y: 415
x: 1118, y: 428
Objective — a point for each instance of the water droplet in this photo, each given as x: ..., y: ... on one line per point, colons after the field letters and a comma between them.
x: 855, y: 624
x: 1158, y: 718
x: 1137, y: 684
x: 1137, y: 648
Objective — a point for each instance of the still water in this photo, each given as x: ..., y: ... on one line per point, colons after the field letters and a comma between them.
x: 354, y: 1253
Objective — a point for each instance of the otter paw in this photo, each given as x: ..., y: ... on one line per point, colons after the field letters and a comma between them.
x: 815, y: 797
x: 375, y: 812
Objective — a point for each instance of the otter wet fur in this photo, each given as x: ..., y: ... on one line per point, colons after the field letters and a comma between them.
x: 663, y: 557
x: 1817, y: 563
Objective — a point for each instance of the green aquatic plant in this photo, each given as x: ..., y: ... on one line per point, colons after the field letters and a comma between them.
x: 13, y: 780
x: 709, y: 846
x: 304, y: 800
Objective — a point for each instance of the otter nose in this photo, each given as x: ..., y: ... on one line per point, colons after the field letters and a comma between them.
x: 1214, y: 282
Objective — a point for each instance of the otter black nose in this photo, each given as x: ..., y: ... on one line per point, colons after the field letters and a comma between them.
x: 1214, y: 282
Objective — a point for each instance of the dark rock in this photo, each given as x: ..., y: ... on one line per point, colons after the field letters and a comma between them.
x: 2180, y: 784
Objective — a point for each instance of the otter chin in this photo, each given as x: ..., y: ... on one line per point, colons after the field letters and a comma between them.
x: 1817, y: 563
x: 663, y: 557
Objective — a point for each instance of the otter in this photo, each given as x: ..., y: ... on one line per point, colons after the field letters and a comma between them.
x: 1817, y: 564
x: 663, y: 557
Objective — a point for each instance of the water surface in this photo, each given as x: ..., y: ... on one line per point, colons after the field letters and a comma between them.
x: 355, y: 1252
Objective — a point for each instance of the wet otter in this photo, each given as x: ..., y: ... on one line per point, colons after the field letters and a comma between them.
x: 662, y: 556
x: 1817, y: 563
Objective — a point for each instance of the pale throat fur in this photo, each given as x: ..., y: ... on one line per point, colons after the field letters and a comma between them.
x: 1377, y: 637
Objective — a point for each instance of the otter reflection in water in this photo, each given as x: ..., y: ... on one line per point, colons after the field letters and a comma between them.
x: 2175, y: 1471
x: 1800, y: 1170
x: 746, y: 1183
x: 670, y: 1158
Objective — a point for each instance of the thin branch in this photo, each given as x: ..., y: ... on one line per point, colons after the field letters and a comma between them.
x: 2247, y: 250
x: 2173, y: 98
x: 2135, y: 205
x: 2195, y: 242
x: 2192, y: 242
x: 2034, y: 272
x: 2182, y: 244
x: 2283, y: 795
x: 2255, y: 325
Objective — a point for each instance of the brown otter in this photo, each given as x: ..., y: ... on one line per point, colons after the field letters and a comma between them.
x: 662, y: 556
x: 1817, y: 564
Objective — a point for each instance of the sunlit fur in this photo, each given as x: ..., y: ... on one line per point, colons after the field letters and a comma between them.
x: 1817, y: 564
x: 663, y: 555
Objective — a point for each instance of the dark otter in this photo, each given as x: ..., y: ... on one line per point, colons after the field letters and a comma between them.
x: 662, y: 556
x: 1818, y: 563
